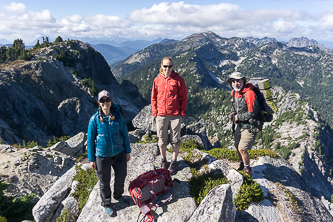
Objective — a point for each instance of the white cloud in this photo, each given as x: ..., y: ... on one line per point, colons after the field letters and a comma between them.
x: 284, y: 27
x: 181, y: 13
x: 327, y: 22
x: 225, y: 19
x: 167, y: 20
x: 72, y: 19
x: 104, y: 21
x: 17, y: 8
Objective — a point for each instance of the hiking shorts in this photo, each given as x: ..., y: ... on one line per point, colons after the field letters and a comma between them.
x: 162, y: 126
x: 244, y: 139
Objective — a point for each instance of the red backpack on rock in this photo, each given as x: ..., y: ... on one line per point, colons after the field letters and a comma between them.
x: 145, y: 190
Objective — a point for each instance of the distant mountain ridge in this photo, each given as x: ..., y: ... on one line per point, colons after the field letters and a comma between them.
x: 259, y: 42
x: 203, y: 58
x: 305, y: 42
x: 113, y: 54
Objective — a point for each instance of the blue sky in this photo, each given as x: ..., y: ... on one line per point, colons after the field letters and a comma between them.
x: 150, y: 19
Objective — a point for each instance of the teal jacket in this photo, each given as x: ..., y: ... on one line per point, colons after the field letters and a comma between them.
x: 108, y: 138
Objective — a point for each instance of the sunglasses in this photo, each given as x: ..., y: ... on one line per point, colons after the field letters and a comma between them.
x: 104, y: 100
x: 165, y: 66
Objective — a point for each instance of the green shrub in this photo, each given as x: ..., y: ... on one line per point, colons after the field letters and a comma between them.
x: 67, y: 60
x: 90, y: 83
x: 81, y: 157
x: 56, y: 140
x: 15, y: 209
x: 249, y: 192
x: 32, y: 144
x: 87, y: 180
x: 193, y: 161
x: 201, y: 183
x: 75, y: 73
x: 277, y: 145
x: 254, y: 154
x: 189, y: 145
x: 153, y: 139
x: 224, y: 153
x: 332, y: 198
x: 284, y: 152
x: 66, y: 216
x: 292, y: 199
x: 200, y: 186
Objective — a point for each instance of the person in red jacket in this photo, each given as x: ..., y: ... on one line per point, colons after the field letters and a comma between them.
x: 168, y: 103
x: 245, y: 107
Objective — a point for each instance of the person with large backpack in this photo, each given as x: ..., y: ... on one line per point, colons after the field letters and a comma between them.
x: 108, y: 146
x: 245, y: 119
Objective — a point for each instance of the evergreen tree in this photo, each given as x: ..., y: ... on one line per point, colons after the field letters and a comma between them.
x: 45, y: 42
x: 58, y: 39
x: 3, y: 51
x: 10, y: 54
x: 37, y: 46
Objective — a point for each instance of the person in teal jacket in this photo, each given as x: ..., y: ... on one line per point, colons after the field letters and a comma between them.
x: 108, y: 146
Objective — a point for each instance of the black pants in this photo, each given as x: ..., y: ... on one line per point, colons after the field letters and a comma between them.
x: 103, y: 171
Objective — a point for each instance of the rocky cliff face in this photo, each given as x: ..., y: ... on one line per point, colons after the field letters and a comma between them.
x: 311, y: 154
x: 286, y: 196
x: 55, y: 94
x: 290, y: 193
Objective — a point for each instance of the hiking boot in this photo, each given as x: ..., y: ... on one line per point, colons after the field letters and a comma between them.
x: 241, y: 166
x: 248, y: 171
x: 109, y: 211
x: 164, y: 164
x: 173, y: 167
x: 123, y: 200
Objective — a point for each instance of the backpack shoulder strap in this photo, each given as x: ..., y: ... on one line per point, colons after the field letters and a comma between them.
x: 233, y: 95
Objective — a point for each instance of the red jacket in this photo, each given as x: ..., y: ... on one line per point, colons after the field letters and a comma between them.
x: 169, y: 96
x: 245, y: 105
x: 249, y: 95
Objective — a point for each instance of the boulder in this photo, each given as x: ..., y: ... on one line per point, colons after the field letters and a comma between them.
x: 233, y: 176
x: 74, y: 146
x: 144, y: 120
x: 193, y: 137
x: 199, y: 129
x: 216, y: 206
x: 69, y: 203
x: 144, y: 158
x: 47, y: 205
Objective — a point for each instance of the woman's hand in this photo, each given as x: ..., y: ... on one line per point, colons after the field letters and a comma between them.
x: 93, y: 165
x: 128, y: 157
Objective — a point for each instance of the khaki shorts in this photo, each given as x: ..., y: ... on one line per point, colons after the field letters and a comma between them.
x: 244, y: 139
x: 162, y: 126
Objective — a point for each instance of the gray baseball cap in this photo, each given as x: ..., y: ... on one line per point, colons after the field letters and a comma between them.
x: 104, y: 93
